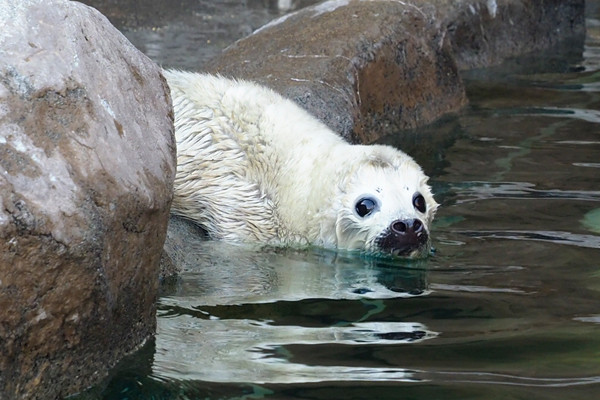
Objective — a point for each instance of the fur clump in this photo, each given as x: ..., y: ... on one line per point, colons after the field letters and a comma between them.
x: 254, y: 167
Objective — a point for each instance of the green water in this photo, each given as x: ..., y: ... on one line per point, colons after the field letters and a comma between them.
x: 508, y: 307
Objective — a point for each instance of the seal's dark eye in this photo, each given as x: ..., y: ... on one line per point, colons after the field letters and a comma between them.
x: 365, y: 206
x: 419, y: 202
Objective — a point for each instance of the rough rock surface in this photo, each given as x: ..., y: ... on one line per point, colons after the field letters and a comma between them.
x: 367, y: 68
x: 86, y: 169
x: 484, y: 33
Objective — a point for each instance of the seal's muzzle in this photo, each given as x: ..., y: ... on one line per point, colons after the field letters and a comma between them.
x: 403, y: 237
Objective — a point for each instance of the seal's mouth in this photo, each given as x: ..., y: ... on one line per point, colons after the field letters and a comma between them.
x: 406, y: 238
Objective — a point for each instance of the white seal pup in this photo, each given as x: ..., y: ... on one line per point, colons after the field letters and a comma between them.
x: 253, y: 166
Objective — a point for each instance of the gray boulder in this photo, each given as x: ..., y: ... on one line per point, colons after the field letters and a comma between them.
x: 87, y: 160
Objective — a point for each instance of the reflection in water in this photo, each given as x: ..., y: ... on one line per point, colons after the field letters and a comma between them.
x: 194, y: 342
x: 222, y: 274
x: 238, y: 350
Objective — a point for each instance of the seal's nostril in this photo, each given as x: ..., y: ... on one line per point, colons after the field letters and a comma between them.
x: 399, y: 227
x: 417, y: 226
x: 407, y: 226
x: 404, y: 236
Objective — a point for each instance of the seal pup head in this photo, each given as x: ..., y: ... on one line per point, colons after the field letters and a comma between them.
x: 385, y: 205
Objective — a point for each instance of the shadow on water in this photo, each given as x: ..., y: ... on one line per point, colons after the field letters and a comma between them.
x: 507, y: 307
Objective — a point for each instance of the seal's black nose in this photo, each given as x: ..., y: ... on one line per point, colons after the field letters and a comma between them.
x: 409, y: 228
x: 404, y: 236
x: 408, y: 233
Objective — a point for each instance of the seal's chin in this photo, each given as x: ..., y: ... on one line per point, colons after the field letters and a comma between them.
x: 399, y: 244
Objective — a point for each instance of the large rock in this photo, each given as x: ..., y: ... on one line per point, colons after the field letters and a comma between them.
x: 356, y: 65
x: 86, y: 170
x: 368, y: 68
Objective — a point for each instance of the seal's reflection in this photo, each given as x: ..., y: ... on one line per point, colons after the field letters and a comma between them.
x: 217, y: 273
x: 228, y: 317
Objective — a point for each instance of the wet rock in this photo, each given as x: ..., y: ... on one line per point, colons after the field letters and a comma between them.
x: 355, y: 65
x: 367, y: 68
x: 485, y: 33
x: 86, y: 170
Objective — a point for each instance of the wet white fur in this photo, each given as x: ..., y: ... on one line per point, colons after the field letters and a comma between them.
x: 255, y: 167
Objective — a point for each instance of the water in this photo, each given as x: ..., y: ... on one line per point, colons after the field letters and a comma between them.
x: 507, y: 308
x: 185, y: 34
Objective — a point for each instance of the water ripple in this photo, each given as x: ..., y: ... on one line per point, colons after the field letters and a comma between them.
x: 233, y: 350
x: 513, y: 380
x: 556, y: 237
x: 582, y: 114
x: 474, y: 289
x: 475, y: 191
x: 587, y: 165
x: 579, y: 142
x: 594, y: 319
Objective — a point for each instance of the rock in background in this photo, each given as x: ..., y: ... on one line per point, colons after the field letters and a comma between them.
x: 87, y: 161
x: 371, y: 68
x: 368, y: 69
